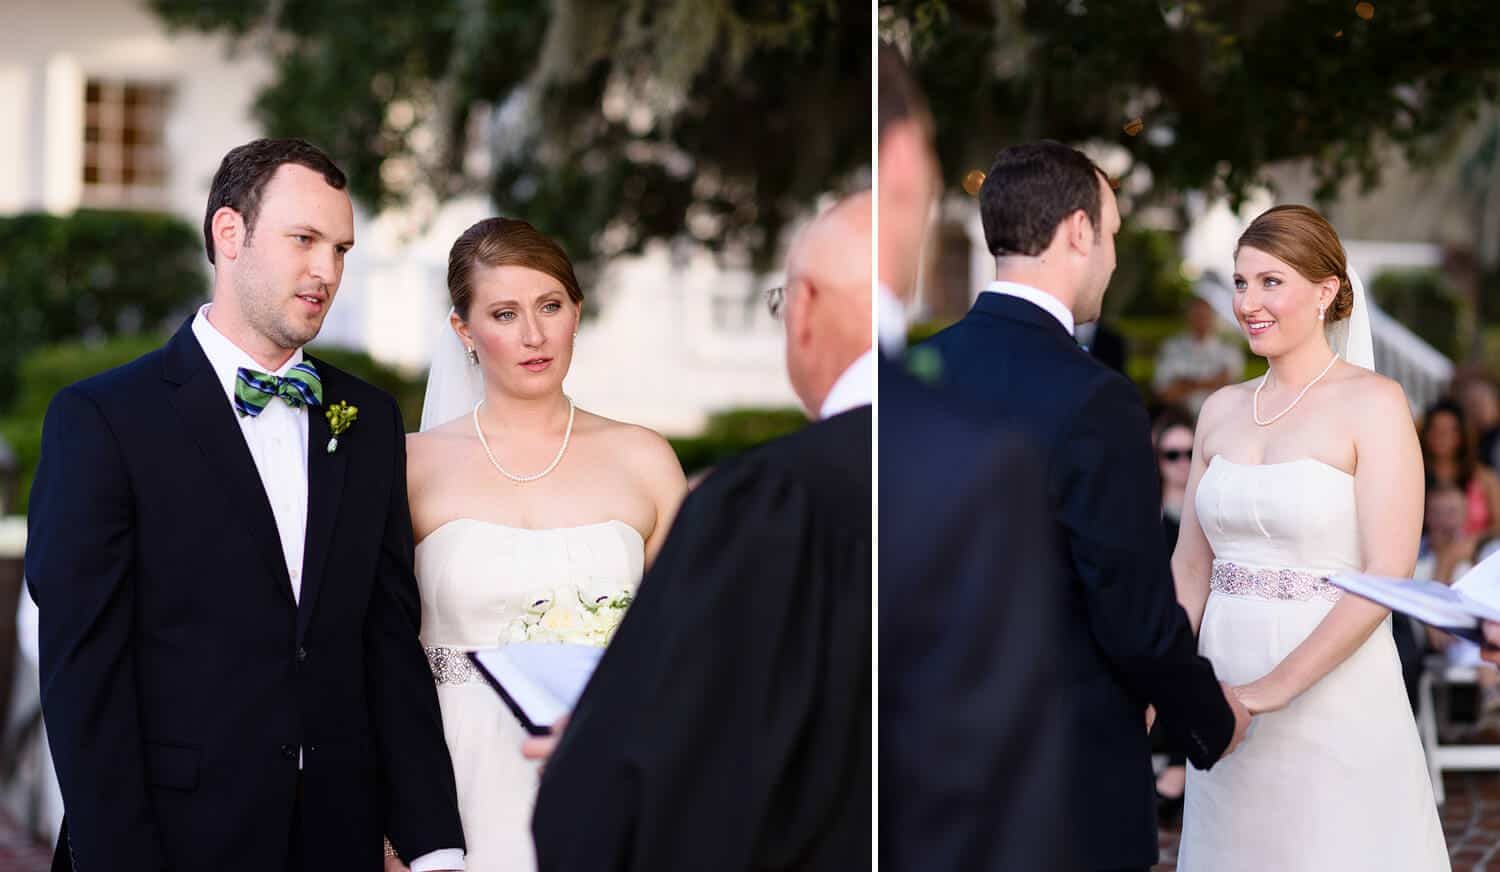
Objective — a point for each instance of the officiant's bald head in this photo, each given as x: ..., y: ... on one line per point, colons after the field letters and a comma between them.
x: 827, y: 309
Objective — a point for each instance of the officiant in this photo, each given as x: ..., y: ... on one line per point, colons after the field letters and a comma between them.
x: 728, y: 725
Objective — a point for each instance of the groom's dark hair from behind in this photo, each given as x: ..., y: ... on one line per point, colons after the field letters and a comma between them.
x: 1030, y: 189
x: 245, y: 172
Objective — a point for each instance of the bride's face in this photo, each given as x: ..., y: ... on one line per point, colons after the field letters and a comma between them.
x: 521, y: 324
x: 1277, y: 307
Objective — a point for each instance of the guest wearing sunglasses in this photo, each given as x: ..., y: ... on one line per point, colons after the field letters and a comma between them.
x: 1173, y: 433
x: 1172, y: 436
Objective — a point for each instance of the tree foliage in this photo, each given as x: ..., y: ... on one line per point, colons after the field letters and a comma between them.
x: 67, y: 277
x: 1219, y: 89
x: 607, y: 123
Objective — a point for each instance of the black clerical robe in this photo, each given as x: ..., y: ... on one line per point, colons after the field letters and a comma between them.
x: 728, y: 725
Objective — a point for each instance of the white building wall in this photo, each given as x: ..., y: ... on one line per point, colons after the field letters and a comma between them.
x: 653, y: 356
x: 49, y: 48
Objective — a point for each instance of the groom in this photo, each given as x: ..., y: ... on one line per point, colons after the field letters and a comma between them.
x: 231, y: 677
x: 1049, y: 219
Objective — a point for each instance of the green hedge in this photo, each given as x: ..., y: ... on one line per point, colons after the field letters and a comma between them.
x: 48, y: 370
x: 1148, y: 280
x: 407, y: 390
x: 733, y: 432
x: 89, y: 275
x: 1426, y: 302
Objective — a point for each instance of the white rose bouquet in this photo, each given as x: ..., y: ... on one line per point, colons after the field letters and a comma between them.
x: 568, y: 616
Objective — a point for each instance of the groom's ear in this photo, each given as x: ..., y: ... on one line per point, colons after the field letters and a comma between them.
x: 1079, y: 232
x: 228, y: 232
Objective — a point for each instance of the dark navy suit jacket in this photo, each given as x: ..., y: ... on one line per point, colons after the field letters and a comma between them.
x: 179, y: 676
x: 974, y: 748
x: 1124, y: 641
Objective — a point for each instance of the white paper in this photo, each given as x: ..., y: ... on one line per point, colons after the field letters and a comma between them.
x: 544, y: 679
x: 1481, y: 585
x: 1474, y: 597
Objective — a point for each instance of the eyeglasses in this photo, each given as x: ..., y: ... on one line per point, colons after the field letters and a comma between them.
x: 776, y: 301
x: 1173, y: 455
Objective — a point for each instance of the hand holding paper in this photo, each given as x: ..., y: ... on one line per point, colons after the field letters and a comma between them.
x: 540, y: 748
x: 539, y: 681
x: 1458, y: 609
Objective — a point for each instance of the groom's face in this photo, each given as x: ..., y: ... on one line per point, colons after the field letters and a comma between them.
x: 289, y: 270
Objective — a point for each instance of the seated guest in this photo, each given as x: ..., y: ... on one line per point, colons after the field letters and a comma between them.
x: 1194, y: 364
x: 1449, y: 456
x: 1445, y: 558
x: 1481, y: 404
x: 1172, y: 436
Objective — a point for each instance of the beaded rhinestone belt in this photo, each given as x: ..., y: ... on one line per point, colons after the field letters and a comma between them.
x: 1279, y: 584
x: 451, y: 665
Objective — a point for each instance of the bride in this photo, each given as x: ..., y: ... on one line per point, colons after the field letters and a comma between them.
x: 526, y: 510
x: 1310, y: 471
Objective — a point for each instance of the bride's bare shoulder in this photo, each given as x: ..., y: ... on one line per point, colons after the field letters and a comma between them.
x: 1225, y: 401
x: 634, y: 442
x: 638, y: 448
x: 427, y: 445
x: 1371, y: 395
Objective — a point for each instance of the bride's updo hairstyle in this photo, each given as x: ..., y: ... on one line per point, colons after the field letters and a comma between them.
x: 1307, y: 242
x: 505, y: 242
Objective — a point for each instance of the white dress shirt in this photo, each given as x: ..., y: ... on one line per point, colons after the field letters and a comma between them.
x: 854, y: 388
x: 1037, y: 297
x: 277, y: 439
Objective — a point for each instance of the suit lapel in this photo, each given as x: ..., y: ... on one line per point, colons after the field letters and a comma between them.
x: 325, y: 486
x: 207, y: 415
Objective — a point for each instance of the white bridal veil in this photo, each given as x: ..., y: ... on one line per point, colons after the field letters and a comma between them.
x: 1350, y: 338
x: 454, y: 386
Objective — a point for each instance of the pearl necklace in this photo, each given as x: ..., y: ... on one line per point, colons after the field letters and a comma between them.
x: 567, y: 434
x: 1255, y: 401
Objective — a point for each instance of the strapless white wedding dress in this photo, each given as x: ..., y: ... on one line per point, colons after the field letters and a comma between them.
x: 1336, y: 780
x: 477, y: 579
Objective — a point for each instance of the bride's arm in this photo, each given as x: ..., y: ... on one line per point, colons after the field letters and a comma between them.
x: 1388, y: 488
x: 662, y: 478
x: 1193, y: 558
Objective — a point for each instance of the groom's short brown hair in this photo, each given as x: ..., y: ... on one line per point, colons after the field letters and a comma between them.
x: 1030, y: 189
x: 245, y: 171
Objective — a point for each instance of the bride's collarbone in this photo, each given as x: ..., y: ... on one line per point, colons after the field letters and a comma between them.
x: 1286, y: 448
x: 1317, y: 434
x: 559, y: 500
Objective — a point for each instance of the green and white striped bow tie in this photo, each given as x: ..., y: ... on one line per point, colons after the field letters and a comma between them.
x: 254, y: 389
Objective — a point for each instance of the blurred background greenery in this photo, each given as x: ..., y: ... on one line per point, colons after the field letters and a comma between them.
x: 610, y: 125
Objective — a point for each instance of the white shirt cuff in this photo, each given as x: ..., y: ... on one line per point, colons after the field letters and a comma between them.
x: 447, y: 858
